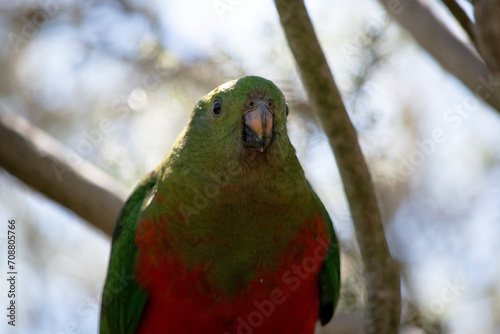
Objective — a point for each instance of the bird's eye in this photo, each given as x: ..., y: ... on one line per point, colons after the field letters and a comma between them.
x: 217, y: 108
x: 286, y: 106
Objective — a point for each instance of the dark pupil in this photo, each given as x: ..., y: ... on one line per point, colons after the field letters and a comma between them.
x: 287, y: 110
x: 216, y: 108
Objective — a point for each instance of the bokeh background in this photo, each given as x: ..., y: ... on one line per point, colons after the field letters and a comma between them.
x: 69, y: 65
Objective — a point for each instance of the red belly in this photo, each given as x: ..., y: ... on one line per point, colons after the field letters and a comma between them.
x: 285, y: 300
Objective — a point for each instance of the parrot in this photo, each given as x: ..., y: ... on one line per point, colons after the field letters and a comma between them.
x: 226, y: 235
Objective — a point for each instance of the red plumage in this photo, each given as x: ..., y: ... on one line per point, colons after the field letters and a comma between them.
x: 283, y: 300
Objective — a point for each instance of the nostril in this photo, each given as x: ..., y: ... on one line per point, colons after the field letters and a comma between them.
x: 251, y: 104
x: 270, y: 104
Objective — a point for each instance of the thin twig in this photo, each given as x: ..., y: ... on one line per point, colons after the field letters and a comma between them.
x: 463, y: 19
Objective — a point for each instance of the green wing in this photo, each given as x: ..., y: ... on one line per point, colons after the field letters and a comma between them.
x: 122, y: 299
x: 329, y: 276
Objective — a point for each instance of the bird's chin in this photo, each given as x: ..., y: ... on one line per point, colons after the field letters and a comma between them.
x: 253, y: 157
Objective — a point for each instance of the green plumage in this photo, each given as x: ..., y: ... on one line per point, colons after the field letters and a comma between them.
x: 122, y: 299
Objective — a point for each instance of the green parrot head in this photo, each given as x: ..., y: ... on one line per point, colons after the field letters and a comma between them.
x: 244, y: 118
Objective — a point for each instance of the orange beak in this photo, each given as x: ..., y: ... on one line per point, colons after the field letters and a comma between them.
x: 257, y: 133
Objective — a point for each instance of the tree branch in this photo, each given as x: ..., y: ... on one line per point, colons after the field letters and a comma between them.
x: 43, y: 163
x: 453, y: 55
x: 384, y: 300
x: 487, y: 32
x: 461, y: 17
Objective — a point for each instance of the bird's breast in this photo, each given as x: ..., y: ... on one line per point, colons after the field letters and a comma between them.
x: 221, y: 293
